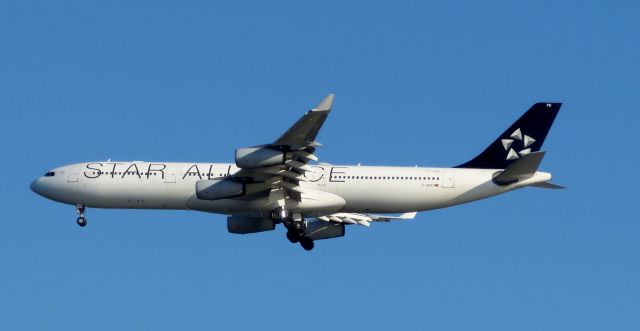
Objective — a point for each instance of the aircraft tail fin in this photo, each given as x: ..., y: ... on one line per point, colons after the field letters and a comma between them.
x: 523, y: 137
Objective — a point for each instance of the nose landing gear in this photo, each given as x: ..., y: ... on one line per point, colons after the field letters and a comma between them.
x: 81, y: 220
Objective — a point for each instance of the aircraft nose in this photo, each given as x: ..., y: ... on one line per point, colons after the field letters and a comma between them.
x: 36, y: 186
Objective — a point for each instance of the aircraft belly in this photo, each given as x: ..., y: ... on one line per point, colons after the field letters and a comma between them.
x: 133, y: 194
x: 398, y: 197
x: 316, y: 203
x: 388, y: 198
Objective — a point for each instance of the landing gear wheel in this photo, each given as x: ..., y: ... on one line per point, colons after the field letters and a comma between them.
x: 273, y: 215
x: 293, y: 237
x: 279, y: 215
x: 81, y: 220
x: 288, y: 223
x: 306, y: 243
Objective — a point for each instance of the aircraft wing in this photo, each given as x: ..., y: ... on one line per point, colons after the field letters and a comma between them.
x: 303, y: 133
x: 297, y: 145
x: 363, y: 219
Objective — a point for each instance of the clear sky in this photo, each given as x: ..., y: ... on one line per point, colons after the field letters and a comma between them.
x: 417, y: 83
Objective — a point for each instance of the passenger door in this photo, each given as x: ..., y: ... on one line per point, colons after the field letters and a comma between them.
x: 73, y: 175
x: 170, y: 175
x: 447, y: 179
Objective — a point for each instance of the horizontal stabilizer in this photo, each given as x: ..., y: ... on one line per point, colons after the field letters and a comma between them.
x: 405, y: 216
x: 549, y: 186
x: 523, y: 168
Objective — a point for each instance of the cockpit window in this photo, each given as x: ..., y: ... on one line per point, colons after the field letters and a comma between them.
x: 50, y: 174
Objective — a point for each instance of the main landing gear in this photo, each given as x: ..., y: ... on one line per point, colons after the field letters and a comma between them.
x: 295, y: 227
x: 279, y: 215
x: 296, y: 237
x: 81, y: 220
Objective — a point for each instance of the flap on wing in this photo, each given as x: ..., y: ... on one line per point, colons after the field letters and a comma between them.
x: 298, y: 144
x: 364, y: 219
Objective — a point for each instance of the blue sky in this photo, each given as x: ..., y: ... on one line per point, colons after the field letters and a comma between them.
x: 417, y: 83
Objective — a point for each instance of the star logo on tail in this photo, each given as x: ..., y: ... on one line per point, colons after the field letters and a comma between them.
x: 517, y: 138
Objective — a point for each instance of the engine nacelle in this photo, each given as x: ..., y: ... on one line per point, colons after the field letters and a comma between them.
x: 258, y: 157
x: 244, y: 225
x: 318, y: 230
x: 214, y: 189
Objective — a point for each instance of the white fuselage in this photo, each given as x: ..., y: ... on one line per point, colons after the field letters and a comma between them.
x: 328, y: 189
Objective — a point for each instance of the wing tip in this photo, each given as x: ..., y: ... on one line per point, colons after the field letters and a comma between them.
x: 325, y: 104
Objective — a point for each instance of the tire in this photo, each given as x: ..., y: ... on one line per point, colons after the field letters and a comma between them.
x: 288, y: 223
x: 307, y: 244
x: 81, y: 221
x: 273, y: 215
x: 293, y: 238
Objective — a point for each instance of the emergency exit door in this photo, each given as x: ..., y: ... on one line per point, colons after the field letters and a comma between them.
x: 447, y: 179
x: 170, y: 174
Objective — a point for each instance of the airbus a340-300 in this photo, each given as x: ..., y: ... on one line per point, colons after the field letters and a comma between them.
x: 282, y: 183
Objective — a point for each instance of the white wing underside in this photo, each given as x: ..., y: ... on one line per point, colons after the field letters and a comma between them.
x: 363, y: 219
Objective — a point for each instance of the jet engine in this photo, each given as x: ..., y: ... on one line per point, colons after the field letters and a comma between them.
x: 258, y: 157
x: 244, y: 225
x: 318, y: 230
x: 214, y: 189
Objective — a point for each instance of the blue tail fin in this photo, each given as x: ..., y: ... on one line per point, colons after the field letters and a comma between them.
x: 524, y: 136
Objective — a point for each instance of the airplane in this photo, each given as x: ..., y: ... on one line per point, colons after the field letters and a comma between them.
x: 283, y: 183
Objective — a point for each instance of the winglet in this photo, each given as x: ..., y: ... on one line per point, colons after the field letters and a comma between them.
x: 325, y: 104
